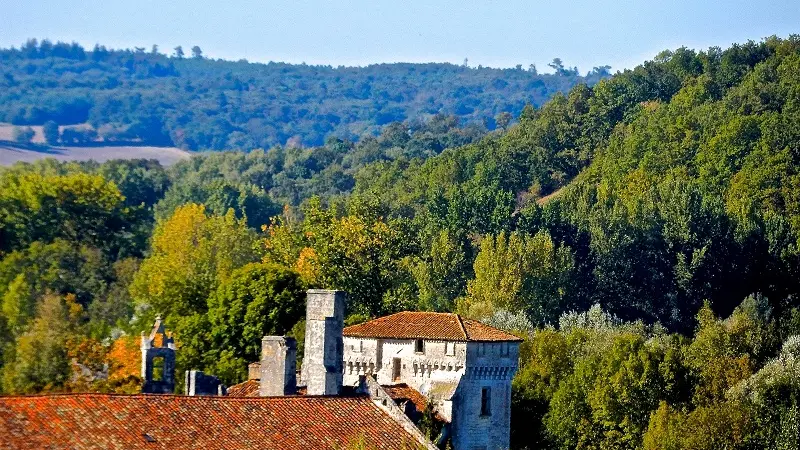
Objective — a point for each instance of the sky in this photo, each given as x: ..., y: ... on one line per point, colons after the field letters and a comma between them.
x: 582, y: 33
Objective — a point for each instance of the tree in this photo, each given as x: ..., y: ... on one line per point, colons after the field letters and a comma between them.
x: 503, y: 119
x: 192, y: 254
x: 23, y: 135
x: 518, y: 272
x: 197, y: 53
x: 178, y: 52
x: 441, y: 274
x: 558, y: 66
x: 257, y: 300
x: 359, y: 252
x: 218, y: 196
x: 606, y: 401
x: 51, y: 132
x: 39, y: 359
x: 77, y: 207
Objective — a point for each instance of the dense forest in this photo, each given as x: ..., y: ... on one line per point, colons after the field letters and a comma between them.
x: 194, y: 102
x: 642, y: 234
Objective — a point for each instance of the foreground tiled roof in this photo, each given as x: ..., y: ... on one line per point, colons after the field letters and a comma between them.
x: 428, y: 325
x: 252, y: 388
x: 103, y: 421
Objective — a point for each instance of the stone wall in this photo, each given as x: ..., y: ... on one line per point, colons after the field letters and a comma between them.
x: 278, y: 374
x: 324, y: 349
x: 489, y: 366
x: 440, y: 361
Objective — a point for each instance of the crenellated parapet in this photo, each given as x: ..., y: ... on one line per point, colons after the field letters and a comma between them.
x: 490, y: 372
x: 425, y: 368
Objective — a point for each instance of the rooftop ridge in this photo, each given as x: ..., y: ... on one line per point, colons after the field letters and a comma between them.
x: 180, y: 396
x: 461, y: 324
x: 428, y: 325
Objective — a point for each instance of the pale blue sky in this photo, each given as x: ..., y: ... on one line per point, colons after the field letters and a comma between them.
x: 492, y: 33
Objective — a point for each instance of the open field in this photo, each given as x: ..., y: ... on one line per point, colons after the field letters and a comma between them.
x: 166, y: 155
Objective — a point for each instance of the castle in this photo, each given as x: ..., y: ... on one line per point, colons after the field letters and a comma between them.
x: 464, y: 367
x: 369, y: 382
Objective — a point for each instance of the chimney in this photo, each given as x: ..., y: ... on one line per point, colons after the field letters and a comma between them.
x: 198, y: 383
x: 254, y: 369
x: 324, y: 349
x: 278, y: 366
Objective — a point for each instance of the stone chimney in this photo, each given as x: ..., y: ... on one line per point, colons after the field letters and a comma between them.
x: 278, y: 366
x: 158, y: 361
x: 198, y: 383
x: 324, y: 348
x: 254, y: 369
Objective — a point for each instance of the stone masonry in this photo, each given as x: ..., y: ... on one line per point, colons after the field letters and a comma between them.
x: 278, y: 366
x: 323, y: 358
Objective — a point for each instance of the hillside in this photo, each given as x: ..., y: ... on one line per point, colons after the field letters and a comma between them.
x: 199, y: 103
x: 642, y: 234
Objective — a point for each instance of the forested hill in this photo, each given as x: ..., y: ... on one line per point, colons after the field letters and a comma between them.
x: 642, y: 234
x: 198, y: 103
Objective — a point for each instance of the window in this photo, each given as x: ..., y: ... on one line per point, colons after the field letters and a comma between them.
x: 449, y: 348
x: 419, y: 346
x: 486, y: 401
x: 395, y: 369
x: 158, y: 368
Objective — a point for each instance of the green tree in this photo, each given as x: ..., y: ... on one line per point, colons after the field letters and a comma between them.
x: 503, y: 120
x: 257, y: 300
x: 356, y: 250
x: 23, y: 135
x: 51, y: 132
x: 192, y: 253
x: 76, y: 207
x: 520, y: 272
x: 38, y: 360
x: 441, y: 276
x: 219, y: 196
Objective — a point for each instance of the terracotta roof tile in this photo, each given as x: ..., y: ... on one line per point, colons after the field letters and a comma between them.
x: 104, y: 421
x: 428, y: 325
x: 402, y: 392
x: 249, y: 388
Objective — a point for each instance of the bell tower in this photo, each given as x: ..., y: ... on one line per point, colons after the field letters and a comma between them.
x: 158, y: 360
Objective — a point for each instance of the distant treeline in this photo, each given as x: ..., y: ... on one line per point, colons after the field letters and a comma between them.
x: 199, y: 103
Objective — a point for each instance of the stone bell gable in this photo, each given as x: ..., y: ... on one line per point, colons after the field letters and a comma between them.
x: 158, y: 360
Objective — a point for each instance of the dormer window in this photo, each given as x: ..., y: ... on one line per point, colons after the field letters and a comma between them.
x: 419, y: 346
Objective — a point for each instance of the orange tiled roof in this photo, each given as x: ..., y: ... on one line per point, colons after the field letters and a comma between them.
x: 105, y: 421
x: 401, y: 392
x: 428, y: 325
x: 249, y: 388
